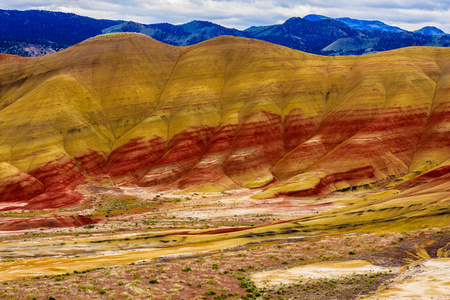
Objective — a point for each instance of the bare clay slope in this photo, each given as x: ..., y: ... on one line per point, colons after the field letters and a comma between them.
x: 224, y: 114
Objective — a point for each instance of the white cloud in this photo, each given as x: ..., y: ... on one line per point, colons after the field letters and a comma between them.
x: 408, y: 14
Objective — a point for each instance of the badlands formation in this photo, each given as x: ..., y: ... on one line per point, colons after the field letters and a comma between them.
x: 225, y: 114
x: 368, y: 136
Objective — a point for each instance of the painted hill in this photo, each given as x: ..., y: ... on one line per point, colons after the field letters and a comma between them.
x: 224, y: 114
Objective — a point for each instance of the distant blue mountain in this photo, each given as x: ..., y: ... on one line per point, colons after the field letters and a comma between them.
x: 61, y: 28
x: 315, y: 18
x: 358, y: 24
x: 180, y: 35
x: 430, y: 30
x: 39, y: 32
x: 301, y: 34
x: 35, y: 32
x: 369, y: 25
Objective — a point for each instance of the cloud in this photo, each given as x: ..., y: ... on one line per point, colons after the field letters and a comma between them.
x: 408, y: 14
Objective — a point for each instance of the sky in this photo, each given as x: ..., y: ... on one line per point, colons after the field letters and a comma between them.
x: 241, y: 14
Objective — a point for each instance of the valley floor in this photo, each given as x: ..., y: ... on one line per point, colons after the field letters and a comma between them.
x: 214, y: 246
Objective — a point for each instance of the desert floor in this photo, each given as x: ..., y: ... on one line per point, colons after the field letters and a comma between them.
x: 173, y: 245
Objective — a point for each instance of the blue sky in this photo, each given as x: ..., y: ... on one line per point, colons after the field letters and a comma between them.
x: 407, y: 14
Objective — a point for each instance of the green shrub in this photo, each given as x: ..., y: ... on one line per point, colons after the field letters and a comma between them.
x: 244, y: 284
x: 210, y: 293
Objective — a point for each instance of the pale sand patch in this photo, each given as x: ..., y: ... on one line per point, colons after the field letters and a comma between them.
x: 12, y: 204
x: 431, y: 280
x: 318, y: 270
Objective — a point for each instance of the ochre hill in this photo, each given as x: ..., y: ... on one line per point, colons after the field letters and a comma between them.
x: 223, y: 114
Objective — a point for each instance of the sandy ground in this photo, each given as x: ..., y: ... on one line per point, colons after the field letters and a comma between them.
x: 218, y: 210
x: 235, y: 203
x: 427, y: 280
x: 318, y: 270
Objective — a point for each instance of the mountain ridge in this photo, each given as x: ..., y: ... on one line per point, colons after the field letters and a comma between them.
x: 19, y: 36
x: 358, y: 24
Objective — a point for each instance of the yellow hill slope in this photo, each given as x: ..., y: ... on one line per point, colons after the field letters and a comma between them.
x: 223, y: 114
